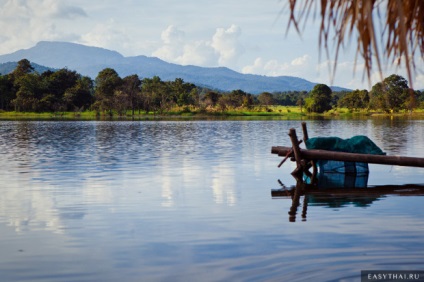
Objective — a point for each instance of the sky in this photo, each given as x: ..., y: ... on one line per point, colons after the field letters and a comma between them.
x: 246, y: 36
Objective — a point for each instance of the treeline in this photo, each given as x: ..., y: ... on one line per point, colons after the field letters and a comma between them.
x: 25, y: 90
x: 390, y: 95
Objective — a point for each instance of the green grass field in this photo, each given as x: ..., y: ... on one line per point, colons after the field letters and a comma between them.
x: 289, y: 112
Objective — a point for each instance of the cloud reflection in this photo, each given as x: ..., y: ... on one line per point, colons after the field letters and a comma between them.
x: 36, y: 209
x: 223, y: 185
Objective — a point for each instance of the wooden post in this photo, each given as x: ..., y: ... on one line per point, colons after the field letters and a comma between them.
x: 296, y: 150
x: 313, y: 164
x: 305, y: 132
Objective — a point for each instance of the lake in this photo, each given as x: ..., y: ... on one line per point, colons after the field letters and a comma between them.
x: 190, y: 200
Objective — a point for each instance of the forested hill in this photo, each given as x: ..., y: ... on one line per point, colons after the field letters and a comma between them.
x: 91, y: 60
x: 7, y: 68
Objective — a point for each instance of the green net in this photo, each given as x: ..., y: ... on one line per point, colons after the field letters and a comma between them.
x: 357, y: 144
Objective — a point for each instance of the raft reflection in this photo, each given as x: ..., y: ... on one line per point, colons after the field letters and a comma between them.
x: 338, y: 197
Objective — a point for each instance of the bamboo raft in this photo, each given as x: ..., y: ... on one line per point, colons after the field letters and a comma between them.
x: 305, y: 158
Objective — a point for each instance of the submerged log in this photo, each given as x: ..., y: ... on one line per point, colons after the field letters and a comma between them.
x: 351, y: 157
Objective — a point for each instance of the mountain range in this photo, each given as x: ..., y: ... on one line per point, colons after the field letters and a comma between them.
x: 90, y: 61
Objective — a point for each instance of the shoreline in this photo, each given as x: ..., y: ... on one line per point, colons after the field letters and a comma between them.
x: 291, y: 114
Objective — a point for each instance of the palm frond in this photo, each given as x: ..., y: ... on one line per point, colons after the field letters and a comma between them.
x: 403, y: 30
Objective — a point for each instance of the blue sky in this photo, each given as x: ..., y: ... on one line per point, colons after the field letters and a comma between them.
x: 246, y: 36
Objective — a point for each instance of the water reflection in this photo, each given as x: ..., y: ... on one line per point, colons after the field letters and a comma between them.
x: 173, y: 200
x: 393, y: 134
x: 338, y: 197
x: 36, y: 211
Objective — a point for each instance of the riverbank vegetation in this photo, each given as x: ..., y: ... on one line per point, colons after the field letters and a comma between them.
x: 65, y: 93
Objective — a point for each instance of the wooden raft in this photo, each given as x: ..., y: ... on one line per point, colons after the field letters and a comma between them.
x: 305, y: 158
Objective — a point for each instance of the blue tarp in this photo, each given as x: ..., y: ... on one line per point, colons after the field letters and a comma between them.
x: 329, y: 170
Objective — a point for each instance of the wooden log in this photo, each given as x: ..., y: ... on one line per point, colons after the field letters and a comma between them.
x: 352, y: 157
x: 295, y: 144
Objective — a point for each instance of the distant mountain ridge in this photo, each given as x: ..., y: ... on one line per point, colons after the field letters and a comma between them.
x: 91, y: 60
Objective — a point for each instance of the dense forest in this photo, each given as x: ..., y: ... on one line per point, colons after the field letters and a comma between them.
x: 24, y: 90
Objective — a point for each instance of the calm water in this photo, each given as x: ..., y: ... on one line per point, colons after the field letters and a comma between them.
x: 191, y: 201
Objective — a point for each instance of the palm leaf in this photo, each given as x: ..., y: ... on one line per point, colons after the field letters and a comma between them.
x: 400, y: 37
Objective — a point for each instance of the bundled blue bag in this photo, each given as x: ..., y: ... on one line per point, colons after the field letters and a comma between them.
x: 358, y: 144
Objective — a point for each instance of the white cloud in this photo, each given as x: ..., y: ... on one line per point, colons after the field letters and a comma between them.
x: 198, y: 53
x: 222, y: 49
x: 226, y: 44
x: 274, y: 68
x: 301, y: 61
x: 172, y: 35
x: 25, y: 22
x: 347, y: 75
x: 256, y: 68
x: 108, y: 35
x: 173, y: 44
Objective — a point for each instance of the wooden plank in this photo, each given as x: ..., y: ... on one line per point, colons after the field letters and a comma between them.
x: 352, y: 157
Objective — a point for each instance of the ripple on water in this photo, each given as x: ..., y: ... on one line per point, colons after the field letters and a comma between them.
x: 173, y: 200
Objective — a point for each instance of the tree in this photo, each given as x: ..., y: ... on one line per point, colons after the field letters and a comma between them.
x: 55, y: 85
x: 6, y: 92
x: 419, y: 98
x: 392, y: 94
x: 59, y: 81
x: 121, y: 102
x: 28, y: 92
x: 377, y: 100
x: 300, y: 102
x: 23, y: 67
x: 181, y: 92
x: 107, y: 82
x: 155, y: 94
x: 238, y: 98
x: 319, y: 99
x: 357, y: 99
x: 364, y: 97
x: 131, y: 87
x: 79, y: 96
x: 211, y: 98
x: 266, y: 99
x: 396, y: 92
x: 289, y: 98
